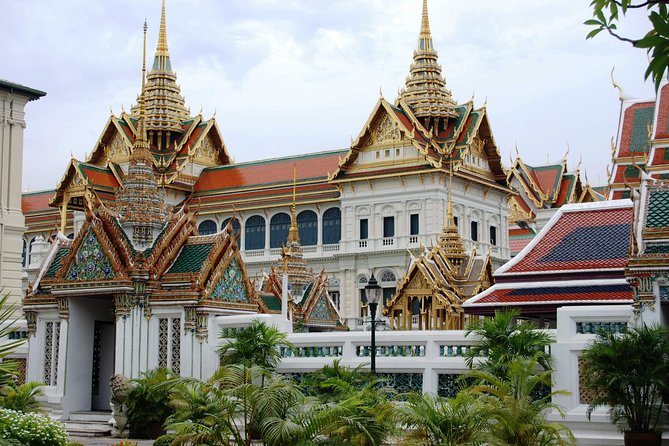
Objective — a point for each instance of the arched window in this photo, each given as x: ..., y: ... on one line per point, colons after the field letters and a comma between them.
x: 278, y: 229
x: 254, y: 234
x: 70, y: 235
x: 307, y: 225
x: 24, y: 253
x: 236, y: 226
x: 474, y: 231
x: 332, y: 226
x: 207, y: 227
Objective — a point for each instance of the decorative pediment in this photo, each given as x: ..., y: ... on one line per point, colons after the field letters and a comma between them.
x: 206, y: 153
x: 118, y: 150
x: 321, y: 311
x: 232, y: 286
x: 90, y: 262
x: 387, y: 130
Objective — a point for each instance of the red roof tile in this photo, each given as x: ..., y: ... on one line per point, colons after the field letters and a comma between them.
x: 268, y: 172
x: 582, y: 238
x: 36, y: 201
x: 99, y: 177
x: 555, y: 294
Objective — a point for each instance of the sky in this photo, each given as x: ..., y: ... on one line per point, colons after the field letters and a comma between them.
x: 287, y: 77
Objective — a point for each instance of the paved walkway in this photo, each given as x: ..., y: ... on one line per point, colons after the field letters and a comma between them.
x: 107, y: 441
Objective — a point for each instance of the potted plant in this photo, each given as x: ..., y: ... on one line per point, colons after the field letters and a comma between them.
x: 629, y: 373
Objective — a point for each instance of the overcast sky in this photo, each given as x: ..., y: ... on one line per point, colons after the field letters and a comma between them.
x: 296, y: 76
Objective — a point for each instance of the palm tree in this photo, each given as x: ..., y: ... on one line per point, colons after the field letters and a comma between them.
x: 502, y: 340
x: 628, y: 372
x: 323, y: 382
x: 8, y: 369
x: 434, y: 421
x: 360, y: 417
x: 22, y: 397
x: 255, y: 345
x: 519, y: 417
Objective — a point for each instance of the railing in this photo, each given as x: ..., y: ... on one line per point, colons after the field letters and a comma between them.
x: 254, y: 253
x: 413, y: 239
x: 389, y: 241
x: 389, y: 351
x: 594, y: 327
x: 331, y: 248
x: 362, y: 243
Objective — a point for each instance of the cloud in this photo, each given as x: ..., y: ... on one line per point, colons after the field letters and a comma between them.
x: 296, y: 76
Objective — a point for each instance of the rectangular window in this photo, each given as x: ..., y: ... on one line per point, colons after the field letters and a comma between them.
x: 493, y: 235
x: 475, y: 231
x: 169, y: 344
x: 413, y: 223
x: 388, y: 227
x: 334, y: 295
x: 388, y: 293
x: 455, y: 220
x: 364, y: 229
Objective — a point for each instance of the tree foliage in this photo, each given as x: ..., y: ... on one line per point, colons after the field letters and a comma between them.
x: 629, y: 373
x: 606, y: 15
x: 503, y: 339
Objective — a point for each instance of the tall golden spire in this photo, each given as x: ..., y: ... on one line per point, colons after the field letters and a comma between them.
x: 293, y: 232
x: 425, y: 91
x: 165, y: 107
x: 141, y: 146
x: 450, y: 241
x: 162, y: 58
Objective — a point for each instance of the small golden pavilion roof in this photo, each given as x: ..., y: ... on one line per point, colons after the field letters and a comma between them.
x: 425, y: 90
x: 165, y: 107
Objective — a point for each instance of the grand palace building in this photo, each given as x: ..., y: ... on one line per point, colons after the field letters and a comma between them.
x: 157, y: 242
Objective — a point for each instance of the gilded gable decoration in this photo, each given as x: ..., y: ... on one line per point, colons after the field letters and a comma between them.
x: 387, y: 130
x: 118, y: 150
x: 206, y: 152
x: 90, y: 263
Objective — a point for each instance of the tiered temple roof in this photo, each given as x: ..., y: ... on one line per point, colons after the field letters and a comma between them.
x: 437, y: 283
x: 578, y: 258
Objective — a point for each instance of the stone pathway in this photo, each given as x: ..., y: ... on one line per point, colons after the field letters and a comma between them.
x: 107, y: 441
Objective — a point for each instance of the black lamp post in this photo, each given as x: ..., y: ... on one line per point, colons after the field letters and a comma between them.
x: 373, y: 296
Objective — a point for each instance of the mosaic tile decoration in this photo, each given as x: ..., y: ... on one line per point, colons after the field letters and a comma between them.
x: 91, y: 262
x: 230, y: 287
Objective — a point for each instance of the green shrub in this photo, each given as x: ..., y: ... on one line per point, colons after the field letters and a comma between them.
x: 31, y: 429
x: 75, y: 443
x: 164, y: 440
x: 10, y: 442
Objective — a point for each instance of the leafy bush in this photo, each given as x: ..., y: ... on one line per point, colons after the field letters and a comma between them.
x: 22, y: 397
x: 148, y: 403
x: 31, y: 429
x: 10, y: 442
x: 164, y: 440
x: 75, y: 443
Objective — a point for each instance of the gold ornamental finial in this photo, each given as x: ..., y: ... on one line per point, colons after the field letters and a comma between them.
x: 425, y: 23
x: 161, y: 49
x: 293, y: 233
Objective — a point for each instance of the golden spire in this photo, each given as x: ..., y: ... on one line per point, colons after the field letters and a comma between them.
x: 450, y: 242
x: 293, y: 232
x: 425, y: 34
x: 425, y: 91
x: 165, y: 107
x: 140, y: 150
x: 161, y: 49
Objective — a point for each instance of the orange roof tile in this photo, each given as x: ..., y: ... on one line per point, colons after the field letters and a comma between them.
x: 268, y: 172
x: 36, y: 201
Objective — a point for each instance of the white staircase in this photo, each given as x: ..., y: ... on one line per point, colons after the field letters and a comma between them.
x: 88, y: 424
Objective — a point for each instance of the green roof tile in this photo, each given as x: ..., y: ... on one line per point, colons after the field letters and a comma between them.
x: 658, y: 209
x: 56, y: 264
x: 273, y: 303
x: 657, y: 249
x: 642, y: 118
x: 191, y: 258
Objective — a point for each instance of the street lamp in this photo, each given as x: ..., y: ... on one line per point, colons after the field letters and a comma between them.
x: 373, y: 296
